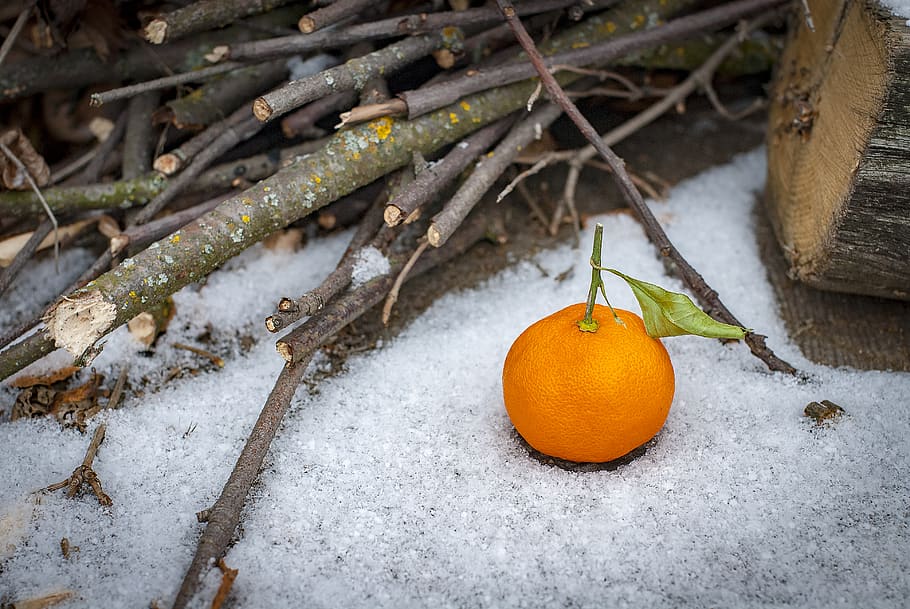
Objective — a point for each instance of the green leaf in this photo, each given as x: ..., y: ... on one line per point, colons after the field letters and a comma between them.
x: 668, y: 313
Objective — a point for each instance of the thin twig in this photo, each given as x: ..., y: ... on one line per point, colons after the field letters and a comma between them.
x: 386, y: 28
x: 693, y: 279
x: 165, y: 82
x: 84, y: 474
x: 392, y: 297
x: 370, y: 233
x: 225, y: 514
x: 93, y: 170
x: 14, y: 32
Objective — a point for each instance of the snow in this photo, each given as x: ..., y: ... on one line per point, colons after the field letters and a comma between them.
x: 899, y: 8
x: 368, y: 264
x: 400, y: 481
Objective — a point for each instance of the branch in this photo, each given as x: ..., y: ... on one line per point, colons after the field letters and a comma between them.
x: 24, y: 254
x: 165, y: 82
x: 226, y: 140
x: 431, y: 97
x: 369, y: 232
x: 219, y: 97
x: 14, y: 32
x: 377, y: 30
x: 224, y: 516
x: 707, y: 296
x: 438, y: 176
x: 138, y: 142
x: 204, y: 15
x: 353, y: 73
x: 331, y: 14
x: 487, y: 171
x: 82, y: 67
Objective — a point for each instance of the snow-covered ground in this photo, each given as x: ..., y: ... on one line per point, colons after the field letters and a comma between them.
x: 400, y: 482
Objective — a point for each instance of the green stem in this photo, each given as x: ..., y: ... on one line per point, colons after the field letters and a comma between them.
x: 588, y: 323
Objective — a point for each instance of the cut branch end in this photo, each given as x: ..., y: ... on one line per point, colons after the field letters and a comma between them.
x: 434, y: 236
x: 286, y: 351
x: 262, y: 110
x: 156, y: 31
x: 168, y: 164
x: 307, y: 24
x: 75, y: 323
x: 392, y: 215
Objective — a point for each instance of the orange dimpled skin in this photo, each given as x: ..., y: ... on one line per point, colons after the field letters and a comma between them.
x: 587, y: 396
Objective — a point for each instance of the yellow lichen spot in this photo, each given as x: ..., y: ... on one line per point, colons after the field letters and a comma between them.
x: 133, y: 294
x: 266, y: 189
x: 246, y: 201
x: 580, y: 45
x: 475, y: 119
x: 453, y: 118
x: 490, y: 154
x: 175, y: 239
x: 639, y: 21
x: 316, y: 179
x: 245, y: 218
x: 382, y: 127
x: 611, y: 27
x: 356, y: 156
x: 450, y: 32
x: 465, y: 106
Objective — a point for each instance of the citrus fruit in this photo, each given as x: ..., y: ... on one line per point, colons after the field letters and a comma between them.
x: 587, y: 396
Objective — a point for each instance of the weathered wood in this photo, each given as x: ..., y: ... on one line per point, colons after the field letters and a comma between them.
x: 839, y: 150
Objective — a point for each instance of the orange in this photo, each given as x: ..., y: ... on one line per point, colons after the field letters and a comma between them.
x: 587, y: 396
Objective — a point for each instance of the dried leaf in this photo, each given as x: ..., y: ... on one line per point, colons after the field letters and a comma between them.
x: 668, y: 313
x: 10, y: 174
x: 48, y: 379
x: 86, y: 391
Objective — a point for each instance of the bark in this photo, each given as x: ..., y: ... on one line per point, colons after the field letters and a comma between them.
x: 204, y: 15
x: 487, y: 171
x: 353, y: 74
x: 217, y: 98
x: 139, y: 141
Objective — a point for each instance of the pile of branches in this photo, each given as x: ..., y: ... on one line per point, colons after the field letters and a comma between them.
x: 173, y: 151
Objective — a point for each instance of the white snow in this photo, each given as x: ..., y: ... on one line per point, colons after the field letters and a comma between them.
x: 899, y: 8
x: 400, y: 482
x: 368, y: 264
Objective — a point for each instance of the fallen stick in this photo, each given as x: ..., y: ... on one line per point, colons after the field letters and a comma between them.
x: 706, y: 295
